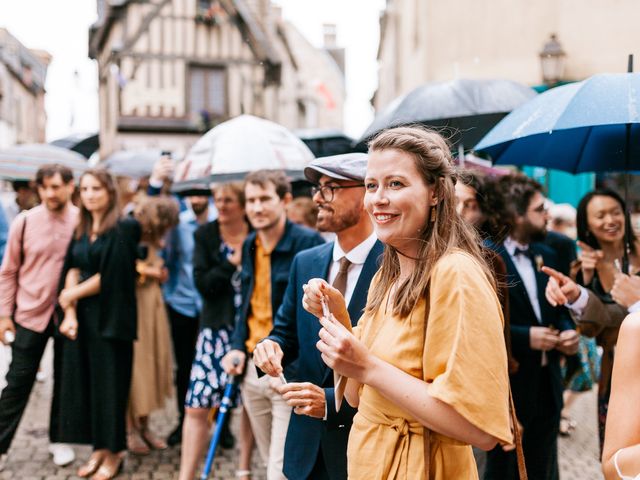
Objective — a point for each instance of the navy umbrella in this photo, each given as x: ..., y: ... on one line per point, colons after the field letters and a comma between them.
x: 588, y: 126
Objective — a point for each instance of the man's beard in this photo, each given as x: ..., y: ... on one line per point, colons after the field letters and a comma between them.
x: 198, y: 209
x: 337, y: 223
x: 537, y: 234
x: 55, y: 206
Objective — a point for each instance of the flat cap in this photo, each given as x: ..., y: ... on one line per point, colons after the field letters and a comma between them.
x: 348, y: 166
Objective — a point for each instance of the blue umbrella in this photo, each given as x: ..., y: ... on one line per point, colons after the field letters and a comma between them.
x: 588, y: 126
x: 580, y: 127
x: 223, y: 411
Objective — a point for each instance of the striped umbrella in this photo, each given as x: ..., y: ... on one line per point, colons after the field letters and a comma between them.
x: 21, y: 162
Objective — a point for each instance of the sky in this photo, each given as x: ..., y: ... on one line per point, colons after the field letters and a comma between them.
x: 61, y: 28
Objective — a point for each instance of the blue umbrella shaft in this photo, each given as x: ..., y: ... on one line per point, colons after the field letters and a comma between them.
x: 225, y: 404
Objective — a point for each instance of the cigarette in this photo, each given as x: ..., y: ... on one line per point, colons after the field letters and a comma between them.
x: 282, y: 379
x: 325, y: 307
x: 616, y: 263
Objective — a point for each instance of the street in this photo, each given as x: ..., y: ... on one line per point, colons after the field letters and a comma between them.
x: 29, y: 459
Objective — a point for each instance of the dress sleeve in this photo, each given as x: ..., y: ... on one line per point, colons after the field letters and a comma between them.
x: 465, y: 359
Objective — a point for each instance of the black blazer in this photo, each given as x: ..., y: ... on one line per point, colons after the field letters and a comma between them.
x: 296, y: 331
x: 525, y: 383
x: 565, y: 249
x: 117, y: 267
x: 212, y: 276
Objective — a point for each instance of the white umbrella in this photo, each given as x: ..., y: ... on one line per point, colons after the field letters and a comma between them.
x: 21, y: 162
x: 241, y: 145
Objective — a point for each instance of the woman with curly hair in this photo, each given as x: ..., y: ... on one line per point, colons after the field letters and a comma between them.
x: 152, y: 378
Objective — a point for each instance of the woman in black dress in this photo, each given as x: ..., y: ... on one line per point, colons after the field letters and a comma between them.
x: 100, y: 325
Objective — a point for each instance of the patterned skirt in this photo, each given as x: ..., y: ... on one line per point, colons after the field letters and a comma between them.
x: 208, y: 379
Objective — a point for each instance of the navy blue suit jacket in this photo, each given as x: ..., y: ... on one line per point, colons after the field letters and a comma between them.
x: 525, y: 383
x: 296, y: 331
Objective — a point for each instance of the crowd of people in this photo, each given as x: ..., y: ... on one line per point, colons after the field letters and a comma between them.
x: 408, y: 320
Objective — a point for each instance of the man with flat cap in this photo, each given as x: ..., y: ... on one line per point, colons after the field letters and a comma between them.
x: 316, y: 444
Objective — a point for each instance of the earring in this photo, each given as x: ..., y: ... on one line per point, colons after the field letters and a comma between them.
x: 433, y: 214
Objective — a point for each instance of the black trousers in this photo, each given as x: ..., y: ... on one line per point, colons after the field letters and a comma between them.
x: 26, y: 353
x: 539, y: 442
x: 95, y: 383
x: 319, y: 471
x: 184, y: 332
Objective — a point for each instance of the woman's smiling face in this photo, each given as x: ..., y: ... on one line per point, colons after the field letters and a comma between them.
x: 605, y: 218
x: 397, y: 199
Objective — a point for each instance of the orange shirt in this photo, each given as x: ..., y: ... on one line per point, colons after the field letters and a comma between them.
x: 260, y: 321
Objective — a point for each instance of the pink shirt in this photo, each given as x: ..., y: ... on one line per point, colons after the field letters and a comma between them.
x: 32, y: 283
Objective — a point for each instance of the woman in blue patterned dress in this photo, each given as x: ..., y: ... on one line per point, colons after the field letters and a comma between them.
x: 216, y: 261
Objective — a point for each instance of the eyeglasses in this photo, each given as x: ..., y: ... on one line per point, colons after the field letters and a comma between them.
x: 544, y: 207
x: 327, y: 191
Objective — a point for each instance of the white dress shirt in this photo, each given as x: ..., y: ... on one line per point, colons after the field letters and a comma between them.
x: 357, y: 256
x: 524, y: 266
x: 525, y: 269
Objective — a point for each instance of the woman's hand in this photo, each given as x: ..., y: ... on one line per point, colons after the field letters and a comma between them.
x: 589, y: 258
x: 69, y: 327
x: 318, y: 288
x: 67, y: 298
x: 343, y: 352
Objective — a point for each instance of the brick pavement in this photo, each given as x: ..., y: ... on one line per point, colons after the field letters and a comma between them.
x: 29, y: 459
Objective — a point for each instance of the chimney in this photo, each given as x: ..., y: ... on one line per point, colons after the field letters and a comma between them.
x: 330, y: 36
x: 331, y: 45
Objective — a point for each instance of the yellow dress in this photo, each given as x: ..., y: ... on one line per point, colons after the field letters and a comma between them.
x: 463, y: 360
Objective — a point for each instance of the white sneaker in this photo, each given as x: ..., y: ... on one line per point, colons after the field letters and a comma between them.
x: 62, y: 453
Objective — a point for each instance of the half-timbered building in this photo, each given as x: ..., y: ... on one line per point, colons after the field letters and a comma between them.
x: 171, y: 69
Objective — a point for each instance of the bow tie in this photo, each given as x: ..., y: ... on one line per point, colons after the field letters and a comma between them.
x: 522, y: 251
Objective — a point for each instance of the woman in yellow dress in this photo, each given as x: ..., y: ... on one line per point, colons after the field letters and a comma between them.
x: 427, y: 363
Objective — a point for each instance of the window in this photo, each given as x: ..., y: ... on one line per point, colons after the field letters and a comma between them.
x: 207, y: 95
x: 209, y: 12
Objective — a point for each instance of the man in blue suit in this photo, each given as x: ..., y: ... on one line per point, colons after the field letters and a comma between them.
x: 316, y: 443
x: 539, y: 334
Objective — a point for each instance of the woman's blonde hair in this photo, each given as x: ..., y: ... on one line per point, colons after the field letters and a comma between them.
x: 448, y: 232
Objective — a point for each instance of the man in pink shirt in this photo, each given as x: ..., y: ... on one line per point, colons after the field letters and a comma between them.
x: 29, y: 277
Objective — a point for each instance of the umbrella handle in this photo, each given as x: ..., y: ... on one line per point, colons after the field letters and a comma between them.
x: 225, y: 404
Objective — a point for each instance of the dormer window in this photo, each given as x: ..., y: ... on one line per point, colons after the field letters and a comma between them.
x: 209, y: 12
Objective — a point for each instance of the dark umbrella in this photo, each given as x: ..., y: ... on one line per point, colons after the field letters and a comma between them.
x: 327, y: 142
x: 588, y: 126
x: 466, y: 108
x: 86, y: 144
